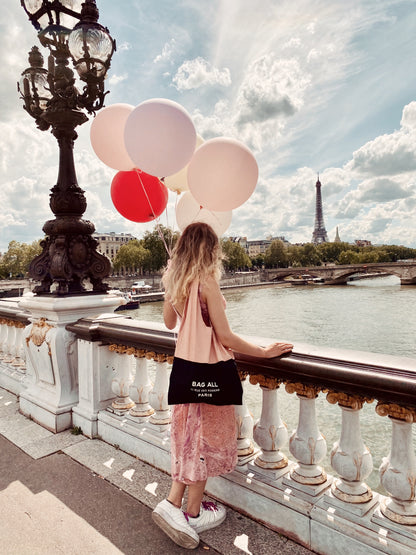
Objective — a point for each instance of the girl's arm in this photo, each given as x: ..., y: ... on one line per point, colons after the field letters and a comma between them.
x: 211, y: 293
x: 169, y: 314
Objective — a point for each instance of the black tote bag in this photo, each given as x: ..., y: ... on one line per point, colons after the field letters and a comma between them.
x: 198, y: 382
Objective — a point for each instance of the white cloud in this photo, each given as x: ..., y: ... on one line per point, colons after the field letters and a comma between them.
x: 408, y: 121
x: 123, y: 46
x: 197, y: 73
x: 271, y: 91
x: 389, y: 154
x: 116, y: 79
x: 271, y: 88
x: 167, y: 52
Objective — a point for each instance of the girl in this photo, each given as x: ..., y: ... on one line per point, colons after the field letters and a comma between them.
x: 203, y: 436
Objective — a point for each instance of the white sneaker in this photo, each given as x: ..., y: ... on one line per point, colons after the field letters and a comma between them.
x: 210, y: 516
x: 173, y: 522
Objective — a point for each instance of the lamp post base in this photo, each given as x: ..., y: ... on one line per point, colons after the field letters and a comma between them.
x: 51, y: 355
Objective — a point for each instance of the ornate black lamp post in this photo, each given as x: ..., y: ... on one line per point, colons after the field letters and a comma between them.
x: 70, y: 30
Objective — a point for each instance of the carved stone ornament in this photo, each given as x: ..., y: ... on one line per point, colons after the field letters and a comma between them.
x: 265, y: 381
x: 242, y: 374
x: 308, y: 391
x: 11, y: 323
x: 345, y: 400
x: 140, y: 353
x: 406, y: 414
x: 38, y: 332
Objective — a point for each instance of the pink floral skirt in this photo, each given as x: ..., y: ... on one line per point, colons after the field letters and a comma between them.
x: 203, y: 442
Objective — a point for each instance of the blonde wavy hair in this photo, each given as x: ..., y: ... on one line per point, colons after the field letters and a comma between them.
x: 196, y: 255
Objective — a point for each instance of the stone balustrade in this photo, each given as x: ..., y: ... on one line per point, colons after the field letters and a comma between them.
x: 123, y: 370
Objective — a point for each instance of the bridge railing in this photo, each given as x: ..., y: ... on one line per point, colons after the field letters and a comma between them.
x: 281, y: 479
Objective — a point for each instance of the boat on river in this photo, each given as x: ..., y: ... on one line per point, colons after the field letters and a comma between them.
x: 132, y: 300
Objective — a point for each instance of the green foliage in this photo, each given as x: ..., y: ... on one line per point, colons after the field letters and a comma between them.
x: 15, y: 262
x: 344, y: 253
x: 147, y: 254
x: 257, y: 260
x: 276, y: 255
x: 133, y: 256
x: 304, y: 255
x: 349, y: 257
x: 235, y: 257
x: 330, y: 252
x: 153, y: 242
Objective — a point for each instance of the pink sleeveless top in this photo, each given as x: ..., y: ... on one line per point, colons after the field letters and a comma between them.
x: 197, y: 340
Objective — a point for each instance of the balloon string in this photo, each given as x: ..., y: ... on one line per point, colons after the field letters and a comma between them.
x: 158, y: 229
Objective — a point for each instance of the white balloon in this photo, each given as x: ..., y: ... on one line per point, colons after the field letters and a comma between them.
x: 189, y: 211
x: 178, y: 182
x: 160, y: 137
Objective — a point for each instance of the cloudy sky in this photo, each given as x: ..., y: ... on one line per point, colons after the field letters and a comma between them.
x: 310, y: 86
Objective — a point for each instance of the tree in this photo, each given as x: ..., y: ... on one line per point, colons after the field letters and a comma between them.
x: 258, y: 260
x: 294, y: 255
x: 276, y: 255
x: 157, y: 242
x: 235, y: 257
x: 15, y: 262
x: 329, y: 252
x: 304, y: 255
x: 131, y: 256
x: 349, y: 257
x: 369, y: 256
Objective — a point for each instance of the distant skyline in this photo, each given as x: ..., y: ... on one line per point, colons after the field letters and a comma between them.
x: 310, y: 86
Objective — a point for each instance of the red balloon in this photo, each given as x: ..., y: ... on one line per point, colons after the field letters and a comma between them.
x: 138, y: 196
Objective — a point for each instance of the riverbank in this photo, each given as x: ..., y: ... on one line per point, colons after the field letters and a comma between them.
x: 157, y: 296
x: 16, y: 288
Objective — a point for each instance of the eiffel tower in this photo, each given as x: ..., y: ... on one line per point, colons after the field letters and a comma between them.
x: 319, y: 234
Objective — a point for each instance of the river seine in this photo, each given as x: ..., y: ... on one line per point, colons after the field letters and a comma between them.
x: 374, y: 315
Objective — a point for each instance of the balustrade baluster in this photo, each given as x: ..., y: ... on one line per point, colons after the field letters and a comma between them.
x: 350, y: 458
x: 159, y: 395
x: 10, y: 343
x: 307, y: 444
x: 270, y: 433
x: 244, y: 422
x: 3, y: 337
x: 141, y: 388
x: 120, y: 384
x: 398, y: 470
x: 19, y: 359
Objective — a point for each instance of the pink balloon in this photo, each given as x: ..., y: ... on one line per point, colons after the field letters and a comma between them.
x: 107, y: 136
x: 160, y: 137
x: 222, y: 174
x: 189, y: 211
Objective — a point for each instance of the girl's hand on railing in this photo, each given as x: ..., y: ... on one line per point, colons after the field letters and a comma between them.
x: 277, y: 350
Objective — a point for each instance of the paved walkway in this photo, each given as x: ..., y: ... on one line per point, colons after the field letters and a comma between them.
x: 66, y: 494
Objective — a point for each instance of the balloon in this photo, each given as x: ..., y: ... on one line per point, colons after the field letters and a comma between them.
x: 189, y: 211
x: 222, y: 174
x: 107, y: 136
x: 160, y: 137
x: 137, y: 196
x: 178, y: 182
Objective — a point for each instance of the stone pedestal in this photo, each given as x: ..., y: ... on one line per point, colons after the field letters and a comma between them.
x: 51, y: 355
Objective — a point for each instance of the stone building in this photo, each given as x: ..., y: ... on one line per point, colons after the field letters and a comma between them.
x: 110, y: 243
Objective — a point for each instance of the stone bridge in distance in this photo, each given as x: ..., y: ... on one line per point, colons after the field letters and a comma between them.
x: 340, y: 274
